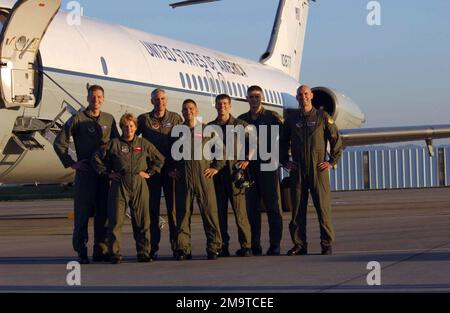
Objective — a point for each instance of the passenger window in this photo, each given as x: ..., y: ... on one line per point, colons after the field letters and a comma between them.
x: 206, y: 84
x: 213, y: 86
x: 218, y: 86
x: 183, y: 82
x: 195, y: 82
x: 200, y: 82
x: 188, y: 80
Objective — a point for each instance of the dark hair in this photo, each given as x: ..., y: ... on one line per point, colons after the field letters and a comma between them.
x: 188, y: 101
x: 93, y: 88
x: 223, y: 96
x: 254, y: 88
x: 156, y: 91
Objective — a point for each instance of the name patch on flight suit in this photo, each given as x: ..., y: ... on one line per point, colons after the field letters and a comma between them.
x: 104, y: 127
x: 167, y: 125
x: 125, y: 149
x: 137, y: 149
x: 312, y: 124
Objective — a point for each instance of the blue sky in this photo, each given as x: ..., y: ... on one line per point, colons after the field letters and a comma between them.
x: 398, y: 73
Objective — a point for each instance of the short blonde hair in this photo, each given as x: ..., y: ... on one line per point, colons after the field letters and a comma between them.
x: 128, y: 117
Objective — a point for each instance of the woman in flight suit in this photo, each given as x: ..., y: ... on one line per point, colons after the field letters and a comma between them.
x: 128, y: 161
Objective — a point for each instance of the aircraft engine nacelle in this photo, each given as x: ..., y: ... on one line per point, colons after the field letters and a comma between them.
x: 344, y: 111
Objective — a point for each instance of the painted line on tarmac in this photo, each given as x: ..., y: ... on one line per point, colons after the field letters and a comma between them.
x: 421, y: 252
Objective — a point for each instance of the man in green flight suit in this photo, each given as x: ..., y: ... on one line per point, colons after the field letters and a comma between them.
x: 307, y: 133
x: 266, y: 187
x: 90, y: 129
x: 226, y: 189
x: 194, y: 172
x: 128, y: 161
x: 155, y: 126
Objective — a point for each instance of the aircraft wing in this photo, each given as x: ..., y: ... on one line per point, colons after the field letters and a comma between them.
x: 193, y: 2
x: 369, y: 136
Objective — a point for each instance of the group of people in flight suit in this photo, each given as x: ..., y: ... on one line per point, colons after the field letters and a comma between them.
x: 116, y: 171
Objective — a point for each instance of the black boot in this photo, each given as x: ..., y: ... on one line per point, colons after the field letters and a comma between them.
x: 143, y: 258
x: 257, y: 250
x: 83, y: 257
x: 273, y: 250
x: 327, y: 250
x: 213, y: 255
x: 298, y: 250
x: 116, y: 259
x: 244, y: 252
x: 224, y: 252
x: 154, y: 254
x: 180, y: 255
x: 98, y: 255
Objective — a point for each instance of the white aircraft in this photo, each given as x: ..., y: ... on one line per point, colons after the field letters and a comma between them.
x: 47, y: 65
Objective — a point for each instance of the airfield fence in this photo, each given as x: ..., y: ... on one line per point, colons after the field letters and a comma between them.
x: 371, y: 168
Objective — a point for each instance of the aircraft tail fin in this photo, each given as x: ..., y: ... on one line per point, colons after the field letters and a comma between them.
x: 288, y: 35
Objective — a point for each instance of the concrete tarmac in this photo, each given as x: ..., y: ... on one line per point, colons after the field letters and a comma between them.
x: 406, y: 231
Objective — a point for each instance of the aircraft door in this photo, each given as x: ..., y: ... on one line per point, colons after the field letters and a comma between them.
x: 19, y: 43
